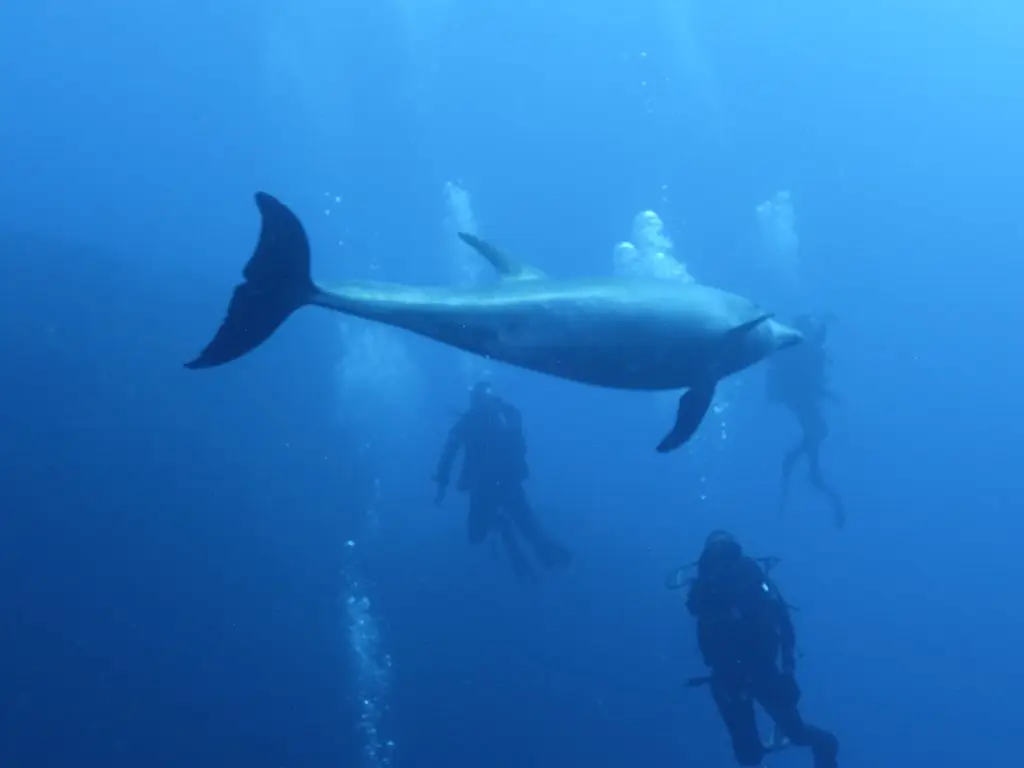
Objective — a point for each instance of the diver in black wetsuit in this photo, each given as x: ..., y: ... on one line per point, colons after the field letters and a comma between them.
x: 493, y: 472
x: 798, y: 380
x: 744, y: 632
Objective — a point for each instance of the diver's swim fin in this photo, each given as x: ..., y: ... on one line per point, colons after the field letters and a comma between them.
x: 697, y: 399
x: 554, y: 554
x: 777, y: 742
x: 277, y: 282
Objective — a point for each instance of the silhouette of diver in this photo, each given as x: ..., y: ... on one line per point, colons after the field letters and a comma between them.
x: 799, y: 381
x: 493, y: 472
x: 746, y: 639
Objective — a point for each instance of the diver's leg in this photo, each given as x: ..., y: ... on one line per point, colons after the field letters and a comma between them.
x: 788, y: 463
x: 482, y: 509
x: 736, y: 707
x: 779, y: 695
x: 818, y: 481
x: 524, y: 572
x: 549, y: 551
x: 793, y: 456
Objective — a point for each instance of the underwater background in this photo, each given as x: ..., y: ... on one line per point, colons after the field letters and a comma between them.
x: 244, y: 567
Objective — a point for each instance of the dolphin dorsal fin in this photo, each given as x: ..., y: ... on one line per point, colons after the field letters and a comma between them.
x: 506, y: 266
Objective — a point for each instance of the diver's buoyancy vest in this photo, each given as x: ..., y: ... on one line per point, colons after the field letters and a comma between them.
x: 737, y: 614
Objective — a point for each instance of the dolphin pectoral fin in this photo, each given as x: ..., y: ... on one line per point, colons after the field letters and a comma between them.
x: 692, y: 407
x: 694, y: 404
x: 503, y: 264
x: 276, y: 283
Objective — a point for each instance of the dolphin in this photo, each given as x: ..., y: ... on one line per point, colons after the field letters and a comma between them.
x: 635, y: 334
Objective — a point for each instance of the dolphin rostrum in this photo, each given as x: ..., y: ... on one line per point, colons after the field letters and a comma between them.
x: 638, y: 334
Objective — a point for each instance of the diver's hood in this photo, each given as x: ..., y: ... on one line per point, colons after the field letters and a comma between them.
x: 720, y: 548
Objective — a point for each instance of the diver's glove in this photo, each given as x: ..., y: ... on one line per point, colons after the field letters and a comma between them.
x: 788, y: 664
x: 442, y: 490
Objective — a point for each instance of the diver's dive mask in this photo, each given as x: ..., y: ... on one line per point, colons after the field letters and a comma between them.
x: 720, y: 551
x: 481, y: 393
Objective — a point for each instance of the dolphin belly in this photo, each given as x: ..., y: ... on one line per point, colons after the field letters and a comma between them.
x: 575, y: 333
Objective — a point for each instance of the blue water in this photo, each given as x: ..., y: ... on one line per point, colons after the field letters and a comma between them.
x: 177, y: 584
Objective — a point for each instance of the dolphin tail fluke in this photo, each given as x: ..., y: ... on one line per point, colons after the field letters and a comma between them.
x: 694, y: 404
x: 276, y: 283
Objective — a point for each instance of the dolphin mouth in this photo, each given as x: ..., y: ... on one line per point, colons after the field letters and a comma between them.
x: 787, y: 337
x: 791, y: 340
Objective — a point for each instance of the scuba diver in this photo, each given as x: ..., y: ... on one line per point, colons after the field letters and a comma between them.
x: 493, y: 471
x: 799, y: 381
x: 746, y: 638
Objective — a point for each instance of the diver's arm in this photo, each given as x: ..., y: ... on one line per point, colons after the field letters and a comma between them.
x: 772, y: 382
x: 694, y: 602
x: 515, y: 422
x: 515, y: 418
x: 448, y: 453
x: 783, y: 622
x: 821, y: 329
x: 787, y: 636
